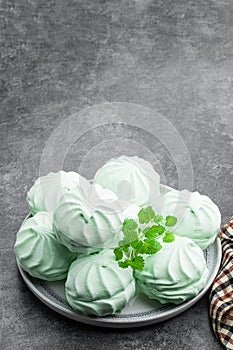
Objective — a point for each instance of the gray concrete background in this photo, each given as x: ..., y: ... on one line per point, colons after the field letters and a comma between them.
x: 58, y: 57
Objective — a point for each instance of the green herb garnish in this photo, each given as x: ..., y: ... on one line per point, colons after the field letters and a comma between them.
x: 142, y: 238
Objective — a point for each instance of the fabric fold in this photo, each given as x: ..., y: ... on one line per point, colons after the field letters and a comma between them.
x: 221, y: 295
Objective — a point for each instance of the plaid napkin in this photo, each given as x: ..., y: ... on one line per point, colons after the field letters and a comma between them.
x: 221, y: 296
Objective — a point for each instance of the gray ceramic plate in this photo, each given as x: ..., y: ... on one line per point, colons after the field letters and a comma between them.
x: 140, y: 311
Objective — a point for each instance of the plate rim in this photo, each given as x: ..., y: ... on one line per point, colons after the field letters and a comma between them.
x: 127, y: 321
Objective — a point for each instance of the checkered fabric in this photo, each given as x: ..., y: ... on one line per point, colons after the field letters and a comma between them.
x: 221, y: 296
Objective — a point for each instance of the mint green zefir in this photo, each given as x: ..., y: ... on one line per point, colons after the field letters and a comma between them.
x: 176, y: 273
x: 96, y: 285
x: 89, y: 218
x: 133, y: 177
x: 38, y: 250
x: 47, y: 190
x: 198, y: 217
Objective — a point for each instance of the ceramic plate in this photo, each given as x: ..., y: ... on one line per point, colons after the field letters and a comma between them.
x: 140, y: 311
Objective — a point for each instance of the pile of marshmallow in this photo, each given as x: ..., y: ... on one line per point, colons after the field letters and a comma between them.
x: 75, y: 224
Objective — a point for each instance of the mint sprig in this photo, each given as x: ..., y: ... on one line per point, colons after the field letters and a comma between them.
x: 142, y: 238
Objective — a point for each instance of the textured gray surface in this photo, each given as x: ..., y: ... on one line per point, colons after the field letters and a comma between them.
x: 59, y: 57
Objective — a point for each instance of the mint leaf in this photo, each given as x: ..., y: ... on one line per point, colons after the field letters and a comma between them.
x: 169, y: 237
x: 153, y: 231
x: 134, y: 244
x: 158, y: 218
x: 145, y: 215
x: 129, y: 237
x: 152, y: 246
x: 129, y: 225
x: 125, y: 247
x: 118, y: 253
x: 148, y: 232
x: 137, y: 245
x: 129, y: 230
x: 170, y: 221
x: 159, y: 229
x: 137, y: 263
x: 124, y: 264
x: 149, y: 246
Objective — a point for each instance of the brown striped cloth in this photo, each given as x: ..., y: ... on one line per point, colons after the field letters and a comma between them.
x: 221, y: 295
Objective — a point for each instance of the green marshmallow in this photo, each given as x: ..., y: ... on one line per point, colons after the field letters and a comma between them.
x: 89, y: 218
x: 38, y: 250
x: 132, y: 177
x: 47, y: 190
x: 198, y: 217
x: 96, y: 285
x: 176, y: 273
